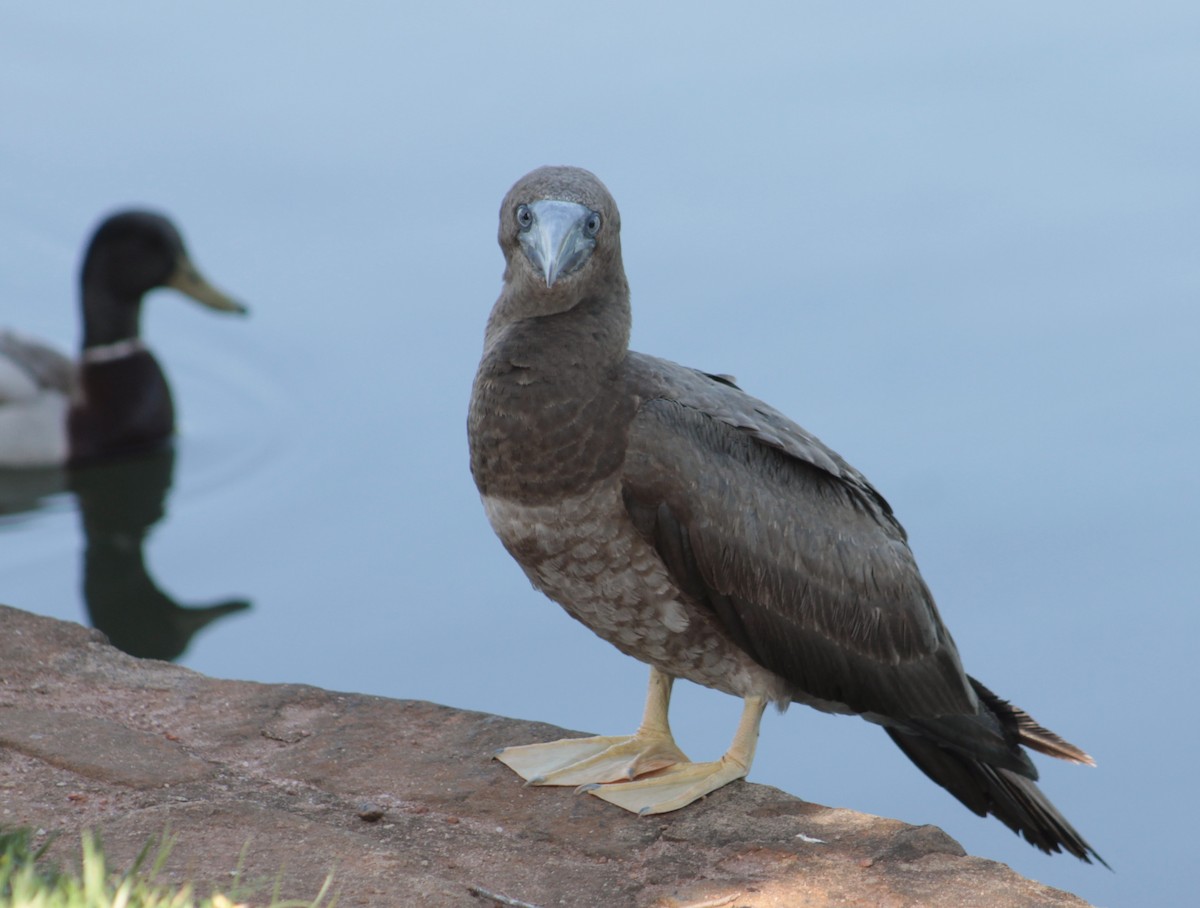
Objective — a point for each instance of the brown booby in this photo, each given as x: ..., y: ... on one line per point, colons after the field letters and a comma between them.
x: 115, y: 400
x: 700, y: 531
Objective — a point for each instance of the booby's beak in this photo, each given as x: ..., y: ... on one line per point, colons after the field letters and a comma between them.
x: 189, y: 281
x: 557, y: 242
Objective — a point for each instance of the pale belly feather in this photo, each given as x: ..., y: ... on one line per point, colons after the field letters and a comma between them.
x: 585, y: 554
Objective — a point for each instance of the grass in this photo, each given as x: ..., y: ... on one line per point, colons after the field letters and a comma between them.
x: 28, y: 880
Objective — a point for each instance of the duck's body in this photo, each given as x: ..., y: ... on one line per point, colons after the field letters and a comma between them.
x: 703, y: 532
x: 37, y: 384
x: 115, y: 399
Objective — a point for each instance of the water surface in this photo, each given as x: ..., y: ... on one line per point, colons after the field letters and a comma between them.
x: 958, y: 245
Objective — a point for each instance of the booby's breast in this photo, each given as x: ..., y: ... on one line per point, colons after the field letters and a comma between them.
x: 584, y: 552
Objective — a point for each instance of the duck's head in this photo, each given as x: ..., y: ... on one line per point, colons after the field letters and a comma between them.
x: 131, y: 253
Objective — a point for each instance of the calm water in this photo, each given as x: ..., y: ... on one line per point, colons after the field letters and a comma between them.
x: 960, y: 246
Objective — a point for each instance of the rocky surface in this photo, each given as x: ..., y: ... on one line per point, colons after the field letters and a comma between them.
x: 400, y: 800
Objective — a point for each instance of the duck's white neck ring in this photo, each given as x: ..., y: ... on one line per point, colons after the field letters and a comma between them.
x: 106, y: 353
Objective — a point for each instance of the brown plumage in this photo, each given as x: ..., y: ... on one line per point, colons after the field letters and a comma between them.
x: 701, y: 531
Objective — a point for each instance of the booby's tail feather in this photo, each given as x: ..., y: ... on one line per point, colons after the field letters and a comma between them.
x: 985, y: 788
x: 1029, y: 732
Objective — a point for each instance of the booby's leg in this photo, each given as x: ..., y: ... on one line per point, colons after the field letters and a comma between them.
x: 586, y: 761
x: 681, y: 784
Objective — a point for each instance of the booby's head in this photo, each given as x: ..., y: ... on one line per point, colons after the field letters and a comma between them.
x: 560, y: 230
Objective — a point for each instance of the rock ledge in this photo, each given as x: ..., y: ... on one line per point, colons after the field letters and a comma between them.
x: 399, y: 799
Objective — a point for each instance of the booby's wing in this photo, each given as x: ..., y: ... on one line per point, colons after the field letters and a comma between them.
x: 794, y: 551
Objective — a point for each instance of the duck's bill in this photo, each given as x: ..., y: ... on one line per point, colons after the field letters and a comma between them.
x: 187, y: 280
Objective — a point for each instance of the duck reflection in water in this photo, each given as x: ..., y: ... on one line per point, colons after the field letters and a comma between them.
x: 112, y: 402
x: 119, y: 503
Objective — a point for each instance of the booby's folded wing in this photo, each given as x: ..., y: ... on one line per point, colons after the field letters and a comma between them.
x: 796, y: 554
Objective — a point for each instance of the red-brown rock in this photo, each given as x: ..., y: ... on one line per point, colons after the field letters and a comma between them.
x: 400, y: 800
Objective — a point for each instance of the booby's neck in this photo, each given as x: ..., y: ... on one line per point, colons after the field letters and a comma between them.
x: 552, y: 388
x: 595, y: 328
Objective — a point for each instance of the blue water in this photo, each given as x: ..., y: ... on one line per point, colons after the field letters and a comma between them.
x: 959, y: 245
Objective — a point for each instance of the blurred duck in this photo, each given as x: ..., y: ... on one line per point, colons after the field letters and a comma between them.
x: 115, y: 400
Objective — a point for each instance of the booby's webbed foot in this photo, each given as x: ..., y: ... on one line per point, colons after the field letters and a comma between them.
x: 671, y: 788
x: 590, y: 761
x: 679, y: 785
x: 646, y: 772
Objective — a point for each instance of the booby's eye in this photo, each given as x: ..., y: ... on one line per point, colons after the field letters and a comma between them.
x: 524, y: 217
x: 592, y: 225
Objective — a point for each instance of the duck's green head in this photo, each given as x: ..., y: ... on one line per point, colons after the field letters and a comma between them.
x: 131, y: 253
